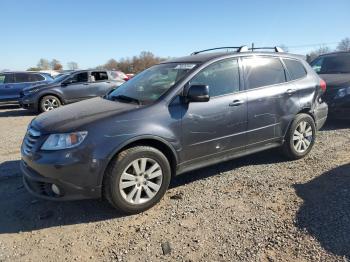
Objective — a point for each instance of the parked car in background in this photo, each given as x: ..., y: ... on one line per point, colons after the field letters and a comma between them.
x: 120, y: 75
x: 334, y: 68
x: 130, y: 75
x: 12, y: 83
x: 69, y: 88
x: 174, y: 117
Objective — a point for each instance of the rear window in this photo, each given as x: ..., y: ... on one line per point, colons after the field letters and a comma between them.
x: 263, y: 71
x: 332, y: 64
x: 295, y: 68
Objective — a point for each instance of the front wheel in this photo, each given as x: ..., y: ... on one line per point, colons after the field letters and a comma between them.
x: 300, y: 137
x: 137, y: 179
x: 48, y: 103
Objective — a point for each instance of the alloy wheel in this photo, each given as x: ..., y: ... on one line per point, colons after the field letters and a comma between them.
x: 302, y: 137
x: 50, y: 104
x: 140, y: 181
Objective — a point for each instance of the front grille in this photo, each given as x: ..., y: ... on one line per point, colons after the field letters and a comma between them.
x: 30, y: 140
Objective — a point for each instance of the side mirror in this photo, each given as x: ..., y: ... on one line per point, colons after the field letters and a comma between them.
x: 198, y: 93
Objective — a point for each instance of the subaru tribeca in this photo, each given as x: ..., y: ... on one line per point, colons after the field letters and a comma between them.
x: 174, y: 117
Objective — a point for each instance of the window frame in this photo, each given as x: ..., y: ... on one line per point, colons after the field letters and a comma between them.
x: 240, y: 89
x: 78, y: 83
x: 260, y: 87
x: 289, y: 78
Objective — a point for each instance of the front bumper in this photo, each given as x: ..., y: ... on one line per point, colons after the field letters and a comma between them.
x: 73, y: 176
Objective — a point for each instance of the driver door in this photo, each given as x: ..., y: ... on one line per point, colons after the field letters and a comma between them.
x: 217, y: 127
x: 77, y: 87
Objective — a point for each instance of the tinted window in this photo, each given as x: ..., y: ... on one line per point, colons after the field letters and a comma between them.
x: 263, y: 71
x: 332, y: 64
x: 2, y: 79
x: 221, y: 77
x: 36, y: 78
x: 99, y: 76
x: 295, y: 68
x: 9, y: 78
x: 79, y: 78
x: 22, y: 77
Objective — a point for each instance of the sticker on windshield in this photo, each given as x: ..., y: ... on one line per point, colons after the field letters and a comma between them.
x: 185, y: 66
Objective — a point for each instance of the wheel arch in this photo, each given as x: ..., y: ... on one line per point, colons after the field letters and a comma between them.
x: 305, y: 110
x: 154, y: 141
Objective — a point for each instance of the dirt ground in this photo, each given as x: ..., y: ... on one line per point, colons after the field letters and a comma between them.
x: 257, y: 208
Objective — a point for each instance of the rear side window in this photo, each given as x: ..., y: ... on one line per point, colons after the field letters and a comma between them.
x: 263, y: 71
x: 295, y: 68
x: 36, y: 78
x: 99, y: 76
x: 2, y: 79
x: 221, y: 77
x: 22, y: 78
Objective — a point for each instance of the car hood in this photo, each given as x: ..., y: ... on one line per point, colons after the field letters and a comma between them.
x: 71, y: 117
x: 336, y: 80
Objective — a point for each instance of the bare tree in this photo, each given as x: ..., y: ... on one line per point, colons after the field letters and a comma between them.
x: 111, y: 64
x: 44, y: 64
x: 322, y: 50
x: 56, y: 65
x: 344, y: 45
x: 72, y: 65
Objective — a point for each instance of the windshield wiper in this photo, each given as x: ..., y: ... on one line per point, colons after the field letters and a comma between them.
x: 126, y: 99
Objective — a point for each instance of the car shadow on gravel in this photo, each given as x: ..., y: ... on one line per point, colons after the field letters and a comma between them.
x: 325, y: 213
x: 15, y: 112
x: 333, y: 124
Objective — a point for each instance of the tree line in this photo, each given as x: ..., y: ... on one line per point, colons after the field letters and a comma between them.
x: 146, y: 59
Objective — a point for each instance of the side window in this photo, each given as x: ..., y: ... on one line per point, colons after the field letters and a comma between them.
x: 99, y: 76
x: 80, y: 78
x: 263, y: 71
x: 2, y: 79
x: 22, y: 78
x: 295, y: 68
x: 36, y: 78
x: 221, y: 77
x: 317, y: 64
x: 9, y: 78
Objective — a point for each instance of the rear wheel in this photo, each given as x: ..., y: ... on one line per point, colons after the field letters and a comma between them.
x: 137, y: 179
x: 300, y: 137
x: 48, y: 103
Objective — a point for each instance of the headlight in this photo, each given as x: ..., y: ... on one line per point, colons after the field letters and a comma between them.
x: 343, y: 92
x: 63, y: 141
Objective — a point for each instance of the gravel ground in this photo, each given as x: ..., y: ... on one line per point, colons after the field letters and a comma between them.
x: 257, y: 208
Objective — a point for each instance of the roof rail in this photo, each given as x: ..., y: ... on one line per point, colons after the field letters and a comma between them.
x: 239, y: 49
x: 275, y: 48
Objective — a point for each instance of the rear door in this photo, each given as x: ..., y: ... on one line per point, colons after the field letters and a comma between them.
x: 272, y: 101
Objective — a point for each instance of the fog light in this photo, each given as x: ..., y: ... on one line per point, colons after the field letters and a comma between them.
x: 55, y: 189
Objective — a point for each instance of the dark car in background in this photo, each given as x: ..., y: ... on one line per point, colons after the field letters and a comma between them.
x: 69, y: 88
x: 174, y: 117
x: 12, y: 83
x: 334, y: 68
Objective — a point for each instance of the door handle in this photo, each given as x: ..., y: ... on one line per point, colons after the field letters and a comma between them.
x: 236, y: 103
x: 290, y: 91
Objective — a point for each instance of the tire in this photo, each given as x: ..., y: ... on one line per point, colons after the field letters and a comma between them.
x: 48, y: 103
x: 131, y: 191
x: 301, y: 132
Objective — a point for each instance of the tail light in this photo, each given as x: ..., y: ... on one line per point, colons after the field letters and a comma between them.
x: 323, y: 85
x: 126, y: 78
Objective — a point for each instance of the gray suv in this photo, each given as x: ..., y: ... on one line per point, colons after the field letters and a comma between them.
x: 174, y: 117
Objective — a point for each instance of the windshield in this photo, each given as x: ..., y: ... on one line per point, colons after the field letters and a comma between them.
x: 149, y: 85
x: 60, y: 78
x: 332, y: 64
